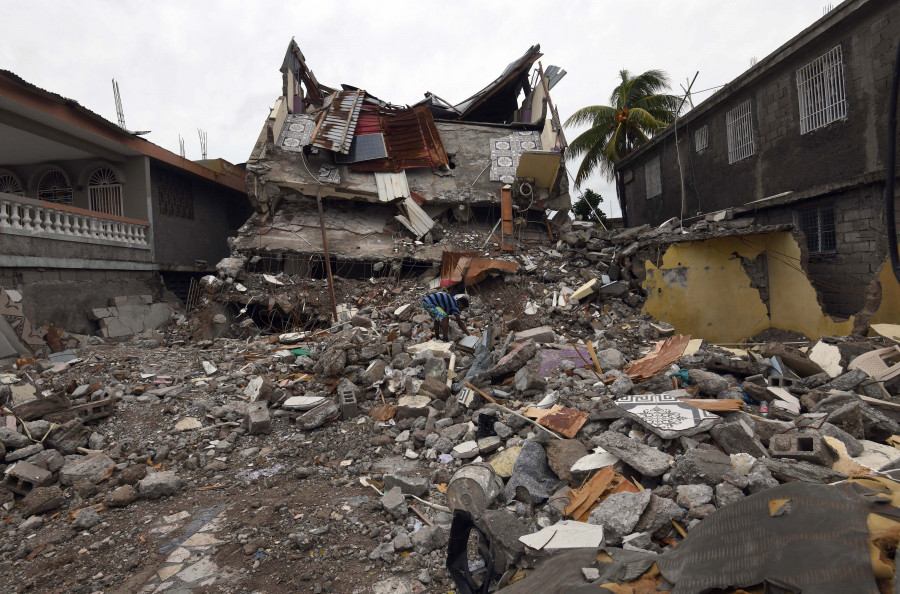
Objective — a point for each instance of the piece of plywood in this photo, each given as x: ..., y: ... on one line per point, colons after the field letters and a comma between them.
x: 540, y: 165
x: 664, y: 353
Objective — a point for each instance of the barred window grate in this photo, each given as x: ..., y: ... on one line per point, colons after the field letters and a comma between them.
x: 105, y: 192
x: 55, y: 187
x: 701, y: 139
x: 820, y: 90
x: 817, y: 224
x: 176, y: 196
x: 740, y: 133
x: 9, y: 184
x: 653, y: 178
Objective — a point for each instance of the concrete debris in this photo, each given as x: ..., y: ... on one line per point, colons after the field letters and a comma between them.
x: 567, y: 418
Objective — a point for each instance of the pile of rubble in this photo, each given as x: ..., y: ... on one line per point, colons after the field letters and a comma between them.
x: 358, y: 454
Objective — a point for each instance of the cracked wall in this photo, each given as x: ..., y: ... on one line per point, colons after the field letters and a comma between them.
x: 714, y: 289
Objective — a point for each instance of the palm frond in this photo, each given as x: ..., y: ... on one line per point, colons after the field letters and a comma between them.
x: 587, y: 140
x: 593, y: 114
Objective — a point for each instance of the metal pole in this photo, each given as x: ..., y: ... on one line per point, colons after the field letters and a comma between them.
x: 678, y: 151
x: 327, y: 257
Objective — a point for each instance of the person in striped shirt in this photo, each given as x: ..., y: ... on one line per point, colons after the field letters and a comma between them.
x: 440, y: 306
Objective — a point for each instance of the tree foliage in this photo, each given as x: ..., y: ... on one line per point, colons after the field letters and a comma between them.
x: 583, y: 206
x: 638, y: 109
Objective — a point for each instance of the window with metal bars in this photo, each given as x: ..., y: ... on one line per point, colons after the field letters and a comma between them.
x: 820, y: 91
x: 176, y: 196
x: 105, y: 192
x: 739, y: 125
x: 701, y: 139
x: 9, y: 183
x: 817, y: 224
x: 653, y: 178
x: 54, y: 187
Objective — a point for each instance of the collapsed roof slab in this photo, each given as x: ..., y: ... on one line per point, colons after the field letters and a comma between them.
x: 355, y: 232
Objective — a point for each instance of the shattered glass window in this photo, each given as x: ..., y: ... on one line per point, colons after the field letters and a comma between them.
x: 176, y: 196
x: 817, y: 224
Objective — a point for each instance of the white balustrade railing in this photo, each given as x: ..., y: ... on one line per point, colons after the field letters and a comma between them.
x: 23, y: 216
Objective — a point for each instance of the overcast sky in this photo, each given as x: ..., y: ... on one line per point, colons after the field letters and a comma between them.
x: 214, y: 65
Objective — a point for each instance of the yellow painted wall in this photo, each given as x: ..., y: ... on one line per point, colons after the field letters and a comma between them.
x: 702, y: 289
x: 889, y: 311
x: 712, y: 299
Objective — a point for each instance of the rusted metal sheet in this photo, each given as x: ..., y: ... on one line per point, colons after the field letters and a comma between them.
x: 664, y: 353
x: 391, y: 186
x: 565, y: 421
x: 465, y: 267
x: 412, y: 140
x: 337, y: 122
x: 506, y: 225
x: 453, y: 266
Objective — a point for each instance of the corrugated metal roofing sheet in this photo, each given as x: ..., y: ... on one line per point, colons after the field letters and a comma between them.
x: 512, y: 71
x: 337, y: 123
x: 412, y: 140
x: 392, y: 186
x: 554, y: 74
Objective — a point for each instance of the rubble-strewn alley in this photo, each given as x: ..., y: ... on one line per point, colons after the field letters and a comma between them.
x: 388, y: 353
x: 291, y: 453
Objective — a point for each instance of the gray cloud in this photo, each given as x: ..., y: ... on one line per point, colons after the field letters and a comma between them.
x: 214, y: 65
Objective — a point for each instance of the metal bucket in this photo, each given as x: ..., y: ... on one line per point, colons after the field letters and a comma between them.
x: 473, y: 488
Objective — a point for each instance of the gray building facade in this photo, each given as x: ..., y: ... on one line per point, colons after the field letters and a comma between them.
x: 799, y: 138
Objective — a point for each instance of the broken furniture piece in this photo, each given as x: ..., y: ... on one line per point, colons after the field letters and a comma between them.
x: 875, y: 365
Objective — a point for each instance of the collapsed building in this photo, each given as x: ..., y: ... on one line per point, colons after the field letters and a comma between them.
x: 384, y: 171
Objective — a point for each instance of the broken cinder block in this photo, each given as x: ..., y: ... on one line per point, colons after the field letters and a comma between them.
x: 22, y: 477
x: 809, y: 448
x: 258, y: 419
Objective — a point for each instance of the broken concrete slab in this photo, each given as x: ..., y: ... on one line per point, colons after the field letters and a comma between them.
x: 646, y: 460
x: 788, y: 470
x: 318, y: 416
x: 562, y: 454
x: 708, y: 466
x: 542, y: 334
x: 619, y: 513
x: 92, y: 468
x: 532, y: 473
x: 736, y: 438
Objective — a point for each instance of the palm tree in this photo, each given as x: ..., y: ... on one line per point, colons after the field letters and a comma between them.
x: 639, y: 110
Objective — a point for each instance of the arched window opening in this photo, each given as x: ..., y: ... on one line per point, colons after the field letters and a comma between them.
x: 9, y: 184
x: 55, y: 187
x: 105, y: 191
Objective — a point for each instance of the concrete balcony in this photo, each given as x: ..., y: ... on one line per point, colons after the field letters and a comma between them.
x: 37, y: 233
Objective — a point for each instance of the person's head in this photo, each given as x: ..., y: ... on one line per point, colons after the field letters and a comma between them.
x: 463, y: 300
